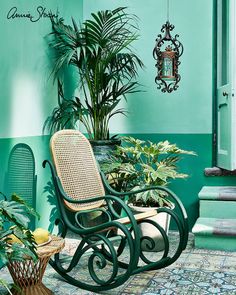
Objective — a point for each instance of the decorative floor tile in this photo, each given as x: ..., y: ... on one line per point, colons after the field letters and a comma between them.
x: 184, y: 281
x: 196, y: 272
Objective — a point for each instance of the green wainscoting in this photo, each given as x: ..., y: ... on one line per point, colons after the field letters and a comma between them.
x: 39, y: 145
x: 186, y: 189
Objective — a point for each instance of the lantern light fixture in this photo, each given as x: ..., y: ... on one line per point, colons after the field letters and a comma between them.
x: 167, y: 52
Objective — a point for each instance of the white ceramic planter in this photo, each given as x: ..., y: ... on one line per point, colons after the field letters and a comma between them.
x: 163, y: 219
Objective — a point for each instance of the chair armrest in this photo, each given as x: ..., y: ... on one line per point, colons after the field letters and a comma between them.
x: 112, y: 222
x: 109, y: 188
x: 133, y: 192
x: 63, y: 195
x: 108, y: 198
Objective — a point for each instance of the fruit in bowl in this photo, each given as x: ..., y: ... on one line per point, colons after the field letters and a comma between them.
x: 12, y: 238
x: 40, y: 235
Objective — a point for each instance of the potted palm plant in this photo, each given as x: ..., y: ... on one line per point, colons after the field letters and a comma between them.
x: 137, y: 164
x: 100, y: 51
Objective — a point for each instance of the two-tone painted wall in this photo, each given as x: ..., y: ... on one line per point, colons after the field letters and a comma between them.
x: 28, y: 94
x: 184, y: 117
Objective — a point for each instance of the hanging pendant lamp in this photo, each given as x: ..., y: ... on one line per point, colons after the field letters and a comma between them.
x: 167, y: 53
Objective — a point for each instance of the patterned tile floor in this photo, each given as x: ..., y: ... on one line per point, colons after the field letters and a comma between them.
x: 196, y: 272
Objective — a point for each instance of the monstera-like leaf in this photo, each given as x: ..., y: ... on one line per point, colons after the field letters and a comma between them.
x: 14, y: 219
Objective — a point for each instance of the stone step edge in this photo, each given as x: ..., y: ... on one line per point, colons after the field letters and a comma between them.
x: 215, y: 227
x: 219, y: 193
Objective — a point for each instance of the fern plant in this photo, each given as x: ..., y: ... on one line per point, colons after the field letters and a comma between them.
x: 139, y: 163
x: 100, y: 50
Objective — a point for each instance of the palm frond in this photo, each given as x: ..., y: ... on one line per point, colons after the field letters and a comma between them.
x: 101, y: 51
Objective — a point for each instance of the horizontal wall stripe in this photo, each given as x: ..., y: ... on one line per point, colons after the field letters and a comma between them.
x: 186, y: 189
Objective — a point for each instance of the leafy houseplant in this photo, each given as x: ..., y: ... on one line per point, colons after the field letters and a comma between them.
x: 13, y: 223
x: 100, y: 50
x: 143, y: 163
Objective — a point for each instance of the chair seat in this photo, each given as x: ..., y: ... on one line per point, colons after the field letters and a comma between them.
x: 138, y: 217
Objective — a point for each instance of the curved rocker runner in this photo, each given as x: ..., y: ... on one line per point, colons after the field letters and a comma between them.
x: 111, y: 245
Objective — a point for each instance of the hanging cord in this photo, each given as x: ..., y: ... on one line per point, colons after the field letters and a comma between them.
x: 168, y: 10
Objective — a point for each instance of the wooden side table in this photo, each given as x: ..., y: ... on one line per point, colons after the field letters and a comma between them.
x: 28, y: 275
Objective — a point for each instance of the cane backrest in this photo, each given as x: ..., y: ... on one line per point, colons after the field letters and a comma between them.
x: 76, y: 167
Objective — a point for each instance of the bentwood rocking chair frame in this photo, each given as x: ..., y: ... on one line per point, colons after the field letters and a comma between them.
x: 82, y: 189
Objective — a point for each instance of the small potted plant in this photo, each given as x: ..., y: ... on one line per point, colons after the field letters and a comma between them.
x: 16, y: 240
x: 101, y: 52
x: 137, y: 164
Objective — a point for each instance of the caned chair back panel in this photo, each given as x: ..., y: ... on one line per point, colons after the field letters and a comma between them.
x: 77, y: 168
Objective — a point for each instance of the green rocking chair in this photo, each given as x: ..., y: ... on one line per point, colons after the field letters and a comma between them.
x: 110, y: 244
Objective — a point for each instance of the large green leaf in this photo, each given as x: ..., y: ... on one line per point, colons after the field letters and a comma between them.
x: 14, y: 212
x: 145, y: 163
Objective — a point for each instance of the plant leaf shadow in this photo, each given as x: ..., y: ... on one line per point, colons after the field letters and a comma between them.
x: 51, y: 198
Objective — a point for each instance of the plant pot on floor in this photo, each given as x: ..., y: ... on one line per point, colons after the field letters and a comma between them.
x: 149, y: 230
x: 103, y: 148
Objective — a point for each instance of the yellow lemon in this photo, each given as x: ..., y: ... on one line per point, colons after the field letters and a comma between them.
x: 40, y: 235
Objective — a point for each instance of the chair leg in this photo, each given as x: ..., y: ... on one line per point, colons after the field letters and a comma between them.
x: 98, y: 258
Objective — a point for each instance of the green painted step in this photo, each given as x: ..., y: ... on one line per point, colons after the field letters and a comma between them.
x: 220, y: 193
x: 217, y: 209
x: 215, y: 233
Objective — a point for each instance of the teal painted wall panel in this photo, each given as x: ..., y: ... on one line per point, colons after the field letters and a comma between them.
x: 189, y: 109
x: 27, y: 91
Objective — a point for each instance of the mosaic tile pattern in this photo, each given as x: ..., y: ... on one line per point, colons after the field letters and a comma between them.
x: 173, y: 281
x: 196, y: 272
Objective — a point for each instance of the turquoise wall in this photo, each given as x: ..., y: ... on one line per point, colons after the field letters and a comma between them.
x: 184, y: 117
x: 27, y: 92
x: 188, y: 110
